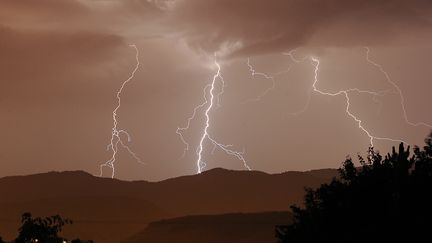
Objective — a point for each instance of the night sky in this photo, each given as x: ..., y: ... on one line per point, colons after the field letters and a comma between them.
x: 62, y: 62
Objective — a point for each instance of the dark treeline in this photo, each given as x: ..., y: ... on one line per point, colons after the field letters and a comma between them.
x: 386, y: 199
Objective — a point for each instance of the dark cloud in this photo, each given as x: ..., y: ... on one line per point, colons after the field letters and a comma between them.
x: 256, y: 26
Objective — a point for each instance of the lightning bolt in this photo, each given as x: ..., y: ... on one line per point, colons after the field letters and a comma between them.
x: 213, y: 102
x: 116, y: 133
x: 266, y: 76
x: 346, y: 93
x: 272, y: 78
x: 399, y: 91
x: 209, y: 104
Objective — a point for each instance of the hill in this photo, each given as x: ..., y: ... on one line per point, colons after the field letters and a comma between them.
x: 108, y: 210
x: 239, y: 228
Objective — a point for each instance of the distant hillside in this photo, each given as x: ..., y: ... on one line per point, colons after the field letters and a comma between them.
x: 109, y: 210
x: 238, y: 228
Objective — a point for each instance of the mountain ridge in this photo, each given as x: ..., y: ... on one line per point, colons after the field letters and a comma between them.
x: 213, y: 170
x: 96, y: 203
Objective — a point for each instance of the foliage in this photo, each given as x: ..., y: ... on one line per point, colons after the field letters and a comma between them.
x: 41, y: 229
x: 384, y: 200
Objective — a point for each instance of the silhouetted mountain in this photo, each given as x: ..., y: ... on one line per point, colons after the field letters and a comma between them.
x: 108, y: 210
x: 239, y: 228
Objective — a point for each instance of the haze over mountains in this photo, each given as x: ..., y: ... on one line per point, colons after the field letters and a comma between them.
x: 110, y: 210
x: 238, y: 228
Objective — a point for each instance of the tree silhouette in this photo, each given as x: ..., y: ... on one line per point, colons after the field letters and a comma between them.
x: 384, y: 200
x: 41, y: 229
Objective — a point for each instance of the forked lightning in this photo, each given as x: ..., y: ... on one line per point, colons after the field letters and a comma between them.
x: 116, y: 133
x: 209, y: 105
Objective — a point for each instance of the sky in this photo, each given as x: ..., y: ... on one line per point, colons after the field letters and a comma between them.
x: 285, y: 66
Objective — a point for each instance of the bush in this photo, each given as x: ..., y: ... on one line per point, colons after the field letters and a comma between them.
x: 42, y: 230
x: 384, y: 200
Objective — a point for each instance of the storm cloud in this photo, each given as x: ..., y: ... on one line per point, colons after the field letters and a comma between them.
x: 247, y: 27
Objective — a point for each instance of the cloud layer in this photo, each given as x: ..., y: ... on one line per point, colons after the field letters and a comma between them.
x: 256, y: 26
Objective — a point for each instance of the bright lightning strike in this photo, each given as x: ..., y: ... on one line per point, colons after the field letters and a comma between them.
x: 116, y: 138
x: 346, y: 93
x: 210, y: 104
